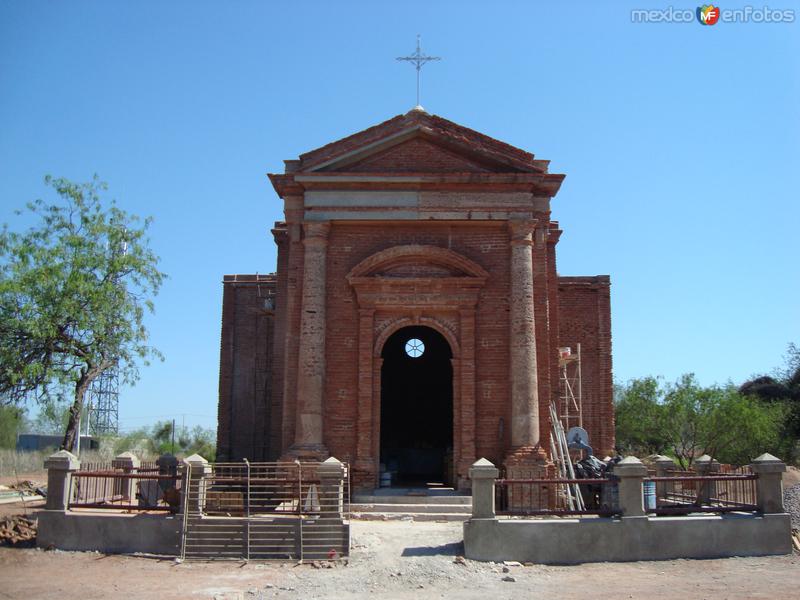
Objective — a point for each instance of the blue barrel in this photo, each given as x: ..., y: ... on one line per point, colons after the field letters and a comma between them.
x: 649, y: 491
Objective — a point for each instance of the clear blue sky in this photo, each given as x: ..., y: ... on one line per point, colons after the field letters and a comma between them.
x: 681, y: 145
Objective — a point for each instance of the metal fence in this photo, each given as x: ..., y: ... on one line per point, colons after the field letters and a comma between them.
x: 266, y: 511
x: 530, y: 497
x: 100, y: 486
x: 677, y: 492
x: 684, y: 492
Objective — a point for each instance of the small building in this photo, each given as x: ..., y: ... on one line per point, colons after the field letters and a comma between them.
x: 31, y: 442
x: 414, y: 321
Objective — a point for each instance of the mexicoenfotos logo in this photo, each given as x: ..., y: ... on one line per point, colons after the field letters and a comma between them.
x: 708, y: 14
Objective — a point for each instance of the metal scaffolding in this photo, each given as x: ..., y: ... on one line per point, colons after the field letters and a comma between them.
x: 570, y: 406
x: 568, y: 414
x: 103, y: 403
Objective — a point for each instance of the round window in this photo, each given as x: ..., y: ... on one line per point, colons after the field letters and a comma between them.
x: 415, y: 348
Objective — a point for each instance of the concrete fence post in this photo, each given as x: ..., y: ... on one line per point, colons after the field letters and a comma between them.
x: 664, y: 468
x: 331, y: 496
x: 769, y: 485
x: 631, y: 473
x: 483, y: 473
x: 706, y: 490
x: 60, y: 467
x: 128, y: 463
x: 198, y: 469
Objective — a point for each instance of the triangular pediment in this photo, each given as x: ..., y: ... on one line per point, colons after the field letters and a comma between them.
x: 417, y: 155
x: 418, y: 142
x: 420, y: 151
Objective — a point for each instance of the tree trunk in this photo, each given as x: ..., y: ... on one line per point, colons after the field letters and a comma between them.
x: 81, y: 386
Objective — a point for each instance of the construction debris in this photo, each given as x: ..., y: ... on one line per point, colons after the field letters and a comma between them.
x: 26, y: 487
x: 17, y: 531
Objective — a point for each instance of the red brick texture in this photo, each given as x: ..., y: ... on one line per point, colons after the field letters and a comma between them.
x: 423, y: 239
x: 585, y: 319
x: 246, y: 378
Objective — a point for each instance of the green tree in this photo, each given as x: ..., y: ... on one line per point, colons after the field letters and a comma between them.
x: 12, y: 422
x: 53, y: 415
x: 637, y: 413
x: 687, y: 420
x: 782, y: 388
x: 718, y: 421
x: 74, y: 289
x: 158, y: 439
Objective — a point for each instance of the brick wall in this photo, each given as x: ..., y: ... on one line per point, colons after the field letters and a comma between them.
x: 245, y: 382
x: 251, y: 369
x: 585, y: 318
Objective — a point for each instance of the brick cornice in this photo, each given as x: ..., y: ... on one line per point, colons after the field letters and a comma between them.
x: 546, y: 184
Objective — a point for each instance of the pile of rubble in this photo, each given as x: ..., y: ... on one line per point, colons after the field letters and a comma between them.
x: 17, y: 530
x: 27, y: 487
x: 22, y: 491
x: 791, y: 503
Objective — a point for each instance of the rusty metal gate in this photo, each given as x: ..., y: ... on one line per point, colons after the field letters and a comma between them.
x: 266, y: 511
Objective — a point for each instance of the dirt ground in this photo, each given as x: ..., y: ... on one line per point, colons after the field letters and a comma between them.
x: 390, y: 560
x: 394, y: 560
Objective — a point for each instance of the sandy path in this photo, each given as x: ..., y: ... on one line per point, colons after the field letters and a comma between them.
x: 391, y: 560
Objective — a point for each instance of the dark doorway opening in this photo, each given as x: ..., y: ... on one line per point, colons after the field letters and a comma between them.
x: 417, y: 408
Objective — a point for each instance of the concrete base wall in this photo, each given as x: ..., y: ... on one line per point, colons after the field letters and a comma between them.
x: 111, y: 533
x: 572, y: 541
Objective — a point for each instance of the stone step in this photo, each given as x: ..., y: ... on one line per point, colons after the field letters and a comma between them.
x: 411, y: 499
x: 395, y: 507
x: 399, y: 516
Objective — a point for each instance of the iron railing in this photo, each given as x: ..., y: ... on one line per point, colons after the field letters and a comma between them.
x: 682, y: 492
x: 531, y: 497
x: 129, y: 489
x: 265, y: 511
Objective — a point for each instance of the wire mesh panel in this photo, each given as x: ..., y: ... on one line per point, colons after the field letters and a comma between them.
x: 266, y: 511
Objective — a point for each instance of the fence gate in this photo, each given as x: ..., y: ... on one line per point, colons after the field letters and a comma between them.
x: 266, y: 511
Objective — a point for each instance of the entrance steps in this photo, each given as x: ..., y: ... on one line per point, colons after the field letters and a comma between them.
x: 411, y: 504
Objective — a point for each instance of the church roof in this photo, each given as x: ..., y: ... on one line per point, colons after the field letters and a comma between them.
x: 419, y: 143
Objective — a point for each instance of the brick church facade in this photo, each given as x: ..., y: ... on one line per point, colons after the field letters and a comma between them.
x: 414, y: 320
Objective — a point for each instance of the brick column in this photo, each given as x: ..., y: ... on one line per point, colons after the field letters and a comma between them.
x: 664, y: 467
x: 522, y: 339
x: 769, y: 486
x: 464, y: 394
x: 311, y: 351
x: 129, y: 464
x: 289, y: 304
x: 197, y: 470
x: 705, y: 467
x: 631, y: 473
x: 60, y: 467
x: 365, y: 468
x: 483, y: 473
x: 331, y: 487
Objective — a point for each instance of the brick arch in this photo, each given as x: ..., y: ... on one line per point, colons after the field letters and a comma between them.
x: 419, y: 254
x: 402, y: 322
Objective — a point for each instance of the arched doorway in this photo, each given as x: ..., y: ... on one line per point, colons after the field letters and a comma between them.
x: 416, y: 435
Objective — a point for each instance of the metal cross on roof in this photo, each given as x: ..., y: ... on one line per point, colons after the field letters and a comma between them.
x: 418, y: 59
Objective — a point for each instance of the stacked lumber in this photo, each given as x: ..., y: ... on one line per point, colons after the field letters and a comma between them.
x: 17, y: 530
